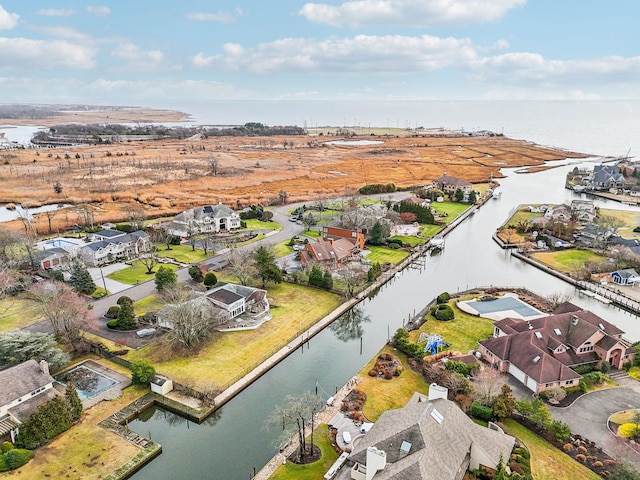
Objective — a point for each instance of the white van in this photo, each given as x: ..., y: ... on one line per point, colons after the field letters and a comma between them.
x: 346, y: 436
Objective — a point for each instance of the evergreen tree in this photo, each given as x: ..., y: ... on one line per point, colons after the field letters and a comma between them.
x: 327, y: 280
x: 458, y: 195
x: 81, y: 279
x: 505, y: 403
x: 142, y: 371
x: 126, y: 316
x: 195, y: 273
x: 315, y: 276
x: 165, y: 276
x: 74, y: 404
x: 472, y: 197
x: 265, y: 261
x: 210, y: 279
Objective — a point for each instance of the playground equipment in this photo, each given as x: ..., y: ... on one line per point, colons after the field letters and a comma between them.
x: 434, y: 344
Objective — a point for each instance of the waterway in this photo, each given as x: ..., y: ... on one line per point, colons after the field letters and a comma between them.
x: 234, y: 441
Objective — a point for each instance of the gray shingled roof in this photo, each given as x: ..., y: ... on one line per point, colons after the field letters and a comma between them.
x: 21, y: 379
x: 438, y: 450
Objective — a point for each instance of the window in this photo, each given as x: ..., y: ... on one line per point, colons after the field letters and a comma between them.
x: 568, y: 382
x: 585, y: 349
x: 548, y: 385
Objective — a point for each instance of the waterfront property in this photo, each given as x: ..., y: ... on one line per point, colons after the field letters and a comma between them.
x: 354, y: 236
x: 93, y: 382
x: 206, y: 219
x: 509, y: 305
x: 115, y: 245
x: 25, y: 387
x: 628, y: 276
x: 327, y: 251
x: 430, y: 437
x: 542, y: 353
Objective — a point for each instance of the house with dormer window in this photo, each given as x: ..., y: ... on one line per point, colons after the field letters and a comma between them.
x: 542, y: 353
x: 206, y: 219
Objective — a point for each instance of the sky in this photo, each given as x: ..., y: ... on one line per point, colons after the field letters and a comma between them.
x: 148, y: 52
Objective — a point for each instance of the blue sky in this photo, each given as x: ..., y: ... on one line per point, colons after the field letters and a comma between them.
x: 145, y: 52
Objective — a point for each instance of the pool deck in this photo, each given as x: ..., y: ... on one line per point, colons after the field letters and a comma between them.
x: 114, y: 391
x: 466, y: 307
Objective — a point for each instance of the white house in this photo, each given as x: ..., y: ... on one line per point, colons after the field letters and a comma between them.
x: 25, y: 387
x: 207, y: 219
x: 123, y: 246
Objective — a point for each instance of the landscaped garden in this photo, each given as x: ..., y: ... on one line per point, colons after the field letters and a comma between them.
x: 136, y: 273
x: 384, y: 255
x: 449, y: 210
x: 182, y: 253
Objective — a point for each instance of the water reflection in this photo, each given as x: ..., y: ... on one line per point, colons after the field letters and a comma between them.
x: 350, y: 325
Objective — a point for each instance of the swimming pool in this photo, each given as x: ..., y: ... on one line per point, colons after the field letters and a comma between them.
x: 60, y: 243
x: 502, y: 304
x: 87, y: 381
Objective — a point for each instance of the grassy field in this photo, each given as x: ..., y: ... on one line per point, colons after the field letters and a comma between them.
x: 311, y: 471
x: 136, y: 273
x: 182, y: 253
x: 523, y: 215
x: 384, y: 394
x: 148, y: 304
x: 18, y: 313
x: 547, y: 462
x: 413, y: 241
x: 450, y: 209
x: 386, y: 255
x: 567, y: 261
x: 225, y: 356
x: 462, y: 333
x: 429, y: 230
x: 255, y: 224
x: 282, y: 249
x: 85, y: 450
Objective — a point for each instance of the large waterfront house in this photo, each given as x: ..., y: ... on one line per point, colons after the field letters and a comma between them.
x: 542, y: 353
x: 114, y: 245
x: 606, y: 177
x: 430, y: 437
x: 25, y: 387
x: 206, y: 219
x: 223, y: 303
x: 327, y: 251
x: 450, y: 184
x: 355, y: 236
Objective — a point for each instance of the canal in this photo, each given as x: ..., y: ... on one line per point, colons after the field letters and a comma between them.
x: 231, y: 443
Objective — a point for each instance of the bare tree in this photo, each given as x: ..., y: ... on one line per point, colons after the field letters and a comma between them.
x: 352, y: 278
x: 7, y: 282
x: 557, y: 298
x: 31, y: 236
x: 64, y: 308
x: 283, y: 196
x: 295, y: 415
x: 149, y: 260
x: 189, y: 322
x: 242, y: 265
x: 136, y: 216
x: 213, y: 166
x: 487, y: 382
x: 192, y: 232
x: 50, y: 214
x: 85, y: 215
x: 162, y: 235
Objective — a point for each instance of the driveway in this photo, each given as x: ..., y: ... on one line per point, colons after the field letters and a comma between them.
x: 99, y: 276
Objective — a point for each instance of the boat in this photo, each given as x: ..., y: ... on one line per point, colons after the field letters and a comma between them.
x: 579, y: 188
x: 496, y: 194
x: 437, y: 242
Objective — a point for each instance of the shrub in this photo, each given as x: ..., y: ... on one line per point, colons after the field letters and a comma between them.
x: 480, y: 411
x: 373, y: 372
x: 444, y: 297
x: 444, y: 312
x: 594, y: 378
x: 394, y: 246
x: 560, y: 431
x: 3, y: 464
x: 165, y: 276
x: 461, y: 367
x: 210, y: 279
x: 628, y: 430
x: 123, y: 299
x: 196, y: 273
x: 567, y: 447
x: 582, y: 369
x: 581, y: 458
x: 582, y: 449
x: 113, y: 324
x: 112, y: 312
x: 6, y: 446
x: 142, y: 371
x: 395, y: 240
x: 175, y: 240
x: 598, y: 464
x: 17, y: 457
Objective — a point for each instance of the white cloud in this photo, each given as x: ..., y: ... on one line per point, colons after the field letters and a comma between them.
x: 67, y: 33
x: 141, y: 60
x: 220, y: 17
x: 98, y: 11
x: 24, y: 53
x: 417, y: 13
x: 362, y: 54
x: 8, y: 20
x: 56, y: 12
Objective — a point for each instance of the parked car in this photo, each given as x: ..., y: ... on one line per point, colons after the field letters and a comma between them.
x: 145, y: 332
x: 293, y: 218
x: 346, y: 436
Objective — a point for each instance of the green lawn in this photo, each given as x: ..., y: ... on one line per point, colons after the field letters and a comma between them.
x: 523, y: 215
x: 429, y: 230
x: 311, y: 471
x: 462, y: 333
x: 385, y: 255
x: 547, y: 462
x: 226, y: 356
x: 315, y: 234
x: 18, y: 313
x: 383, y: 395
x: 148, y: 304
x: 413, y: 241
x: 282, y: 249
x: 255, y: 224
x: 182, y: 253
x: 136, y: 273
x: 567, y: 261
x: 100, y: 292
x: 451, y: 209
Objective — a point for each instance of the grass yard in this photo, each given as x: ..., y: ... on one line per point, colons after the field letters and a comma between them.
x: 18, y: 313
x: 413, y: 241
x: 315, y: 234
x: 226, y: 356
x: 429, y: 230
x: 523, y: 215
x: 383, y: 395
x: 255, y: 224
x: 282, y: 249
x: 634, y: 372
x: 385, y: 255
x: 567, y: 261
x: 462, y: 333
x: 628, y: 218
x: 182, y: 253
x: 148, y: 304
x: 100, y: 292
x: 449, y: 209
x: 311, y: 471
x: 85, y: 450
x: 136, y: 273
x: 547, y: 462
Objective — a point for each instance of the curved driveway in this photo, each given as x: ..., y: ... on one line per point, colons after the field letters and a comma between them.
x: 588, y: 415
